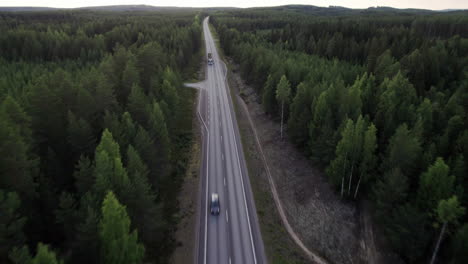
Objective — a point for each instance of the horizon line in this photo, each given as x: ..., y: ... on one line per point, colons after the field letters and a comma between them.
x: 172, y: 6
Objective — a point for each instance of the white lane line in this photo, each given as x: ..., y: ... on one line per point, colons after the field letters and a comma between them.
x: 207, y: 178
x: 224, y: 181
x: 221, y: 138
x: 227, y: 216
x: 206, y: 196
x: 222, y: 156
x: 240, y: 170
x: 229, y: 260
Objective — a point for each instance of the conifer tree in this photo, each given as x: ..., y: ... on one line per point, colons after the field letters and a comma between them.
x: 45, y: 256
x: 435, y: 184
x: 11, y: 224
x: 118, y: 244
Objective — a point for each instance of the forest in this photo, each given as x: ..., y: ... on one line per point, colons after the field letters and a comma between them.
x: 95, y: 128
x: 378, y: 100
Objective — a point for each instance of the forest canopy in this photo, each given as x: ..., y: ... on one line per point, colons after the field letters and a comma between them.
x: 378, y: 100
x: 94, y: 129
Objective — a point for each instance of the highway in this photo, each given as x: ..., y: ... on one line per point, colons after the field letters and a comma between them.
x: 234, y: 235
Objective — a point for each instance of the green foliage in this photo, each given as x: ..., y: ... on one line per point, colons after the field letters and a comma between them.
x: 269, y: 95
x: 435, y: 184
x: 396, y: 105
x: 411, y: 99
x: 283, y: 90
x: 407, y: 232
x: 70, y: 81
x: 449, y: 210
x: 403, y: 151
x: 45, y: 256
x: 137, y: 104
x: 84, y: 177
x: 355, y: 154
x: 300, y: 115
x: 389, y: 192
x: 460, y: 245
x: 118, y: 244
x: 11, y: 224
x: 109, y: 171
x: 20, y: 255
x: 17, y: 167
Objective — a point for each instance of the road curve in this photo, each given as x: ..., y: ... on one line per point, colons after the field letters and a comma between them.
x: 234, y: 235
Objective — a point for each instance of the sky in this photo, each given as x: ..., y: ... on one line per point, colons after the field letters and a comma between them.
x: 424, y: 4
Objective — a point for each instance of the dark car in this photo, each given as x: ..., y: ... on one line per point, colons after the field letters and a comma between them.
x: 215, y: 207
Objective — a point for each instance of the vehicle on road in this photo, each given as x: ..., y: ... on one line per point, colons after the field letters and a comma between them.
x: 215, y: 206
x: 210, y: 59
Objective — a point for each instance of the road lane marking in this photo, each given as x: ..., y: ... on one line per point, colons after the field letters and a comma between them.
x: 227, y: 216
x: 242, y: 180
x: 224, y: 181
x: 206, y: 185
x: 222, y: 156
x: 229, y: 260
x: 221, y: 138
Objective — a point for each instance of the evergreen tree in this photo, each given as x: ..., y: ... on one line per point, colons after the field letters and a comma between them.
x: 130, y: 77
x: 386, y: 66
x: 157, y: 127
x: 45, y: 256
x: 87, y: 243
x: 137, y: 105
x: 142, y: 208
x: 118, y: 244
x: 403, y: 151
x: 17, y: 168
x: 148, y: 63
x: 300, y: 115
x: 109, y: 171
x: 11, y: 224
x: 20, y: 255
x: 396, y: 105
x: 460, y: 245
x: 390, y: 191
x: 145, y: 147
x: 268, y: 99
x: 435, y: 184
x: 80, y: 135
x: 84, y: 177
x: 170, y: 96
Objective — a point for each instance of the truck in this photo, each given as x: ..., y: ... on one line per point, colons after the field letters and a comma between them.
x: 210, y: 59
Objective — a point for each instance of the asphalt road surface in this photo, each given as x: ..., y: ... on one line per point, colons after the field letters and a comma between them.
x: 234, y: 235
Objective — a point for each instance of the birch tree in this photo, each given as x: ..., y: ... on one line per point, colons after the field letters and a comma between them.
x: 283, y: 93
x: 448, y: 212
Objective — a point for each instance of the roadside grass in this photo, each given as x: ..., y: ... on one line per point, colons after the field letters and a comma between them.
x: 279, y: 247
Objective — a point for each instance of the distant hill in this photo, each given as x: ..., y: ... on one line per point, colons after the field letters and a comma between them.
x: 339, y: 10
x: 25, y: 9
x: 116, y: 8
x: 134, y: 8
x: 303, y: 9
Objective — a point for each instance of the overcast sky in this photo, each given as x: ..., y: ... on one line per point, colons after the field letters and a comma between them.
x: 426, y: 4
